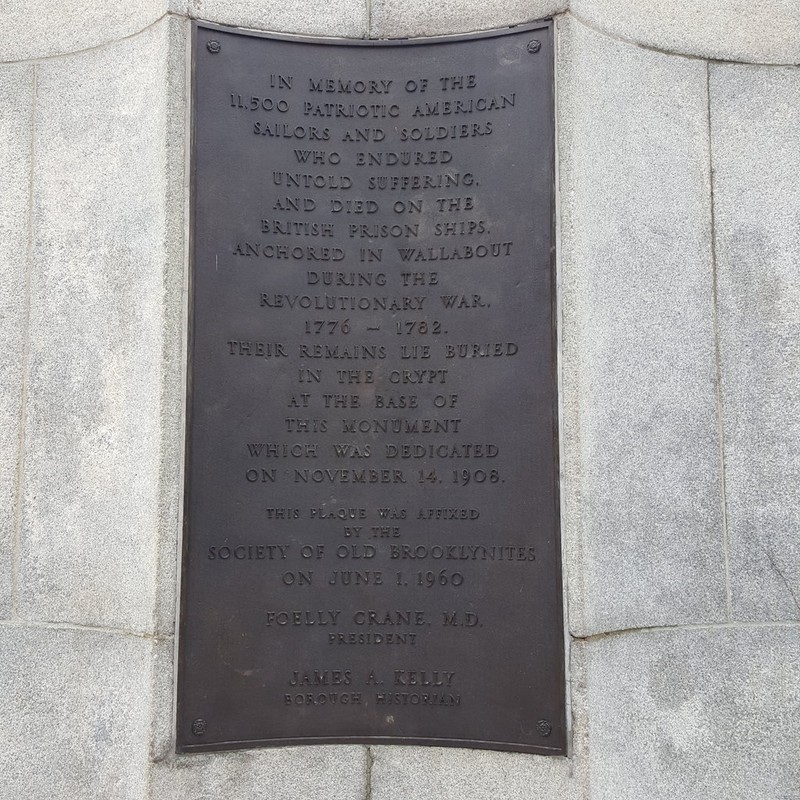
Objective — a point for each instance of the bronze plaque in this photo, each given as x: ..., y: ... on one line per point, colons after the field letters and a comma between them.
x: 371, y: 544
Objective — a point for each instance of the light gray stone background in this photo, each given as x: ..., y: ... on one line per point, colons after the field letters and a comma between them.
x: 679, y: 302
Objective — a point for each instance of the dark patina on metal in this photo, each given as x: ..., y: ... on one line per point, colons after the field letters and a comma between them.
x: 371, y: 544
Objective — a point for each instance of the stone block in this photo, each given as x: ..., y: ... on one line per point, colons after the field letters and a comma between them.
x: 16, y: 111
x: 75, y: 714
x: 173, y: 339
x: 312, y: 17
x: 39, y: 28
x: 761, y: 31
x: 755, y: 119
x: 641, y: 457
x: 707, y: 713
x: 443, y: 773
x: 89, y: 541
x: 288, y: 773
x: 162, y: 711
x: 393, y: 19
x: 440, y: 773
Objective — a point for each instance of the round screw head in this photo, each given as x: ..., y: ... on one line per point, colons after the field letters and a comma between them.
x: 214, y: 46
x: 544, y: 727
x: 534, y: 46
x: 199, y: 727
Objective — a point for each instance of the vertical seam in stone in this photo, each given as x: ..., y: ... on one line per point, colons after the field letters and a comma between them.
x: 370, y: 764
x: 165, y: 479
x: 717, y: 356
x: 369, y: 18
x: 42, y: 59
x: 572, y: 522
x: 23, y: 405
x: 559, y: 325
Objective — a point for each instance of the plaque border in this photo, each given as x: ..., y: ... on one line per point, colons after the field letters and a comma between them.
x: 197, y: 26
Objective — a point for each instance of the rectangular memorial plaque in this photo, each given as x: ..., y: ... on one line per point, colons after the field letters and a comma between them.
x: 371, y: 548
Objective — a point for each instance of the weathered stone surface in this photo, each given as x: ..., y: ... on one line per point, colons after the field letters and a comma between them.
x: 162, y: 708
x: 578, y: 716
x: 39, y: 28
x: 761, y: 31
x: 16, y: 111
x: 709, y: 713
x: 93, y: 447
x: 173, y: 365
x: 641, y: 452
x: 288, y: 773
x: 75, y: 713
x: 402, y: 18
x: 755, y: 116
x: 436, y: 773
x: 314, y: 17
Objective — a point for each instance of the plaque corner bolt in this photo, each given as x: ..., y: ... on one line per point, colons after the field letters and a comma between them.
x: 544, y: 727
x: 214, y: 46
x: 534, y: 46
x: 199, y: 727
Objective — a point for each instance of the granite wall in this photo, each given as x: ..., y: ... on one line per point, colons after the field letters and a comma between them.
x: 679, y: 302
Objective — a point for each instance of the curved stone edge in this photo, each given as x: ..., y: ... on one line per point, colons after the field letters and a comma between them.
x: 50, y: 30
x: 347, y: 18
x: 641, y: 473
x: 755, y: 127
x: 398, y: 19
x: 762, y: 32
x: 88, y: 545
x: 766, y: 32
x: 34, y: 29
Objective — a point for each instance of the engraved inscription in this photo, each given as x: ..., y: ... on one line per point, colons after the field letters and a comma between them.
x: 372, y: 502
